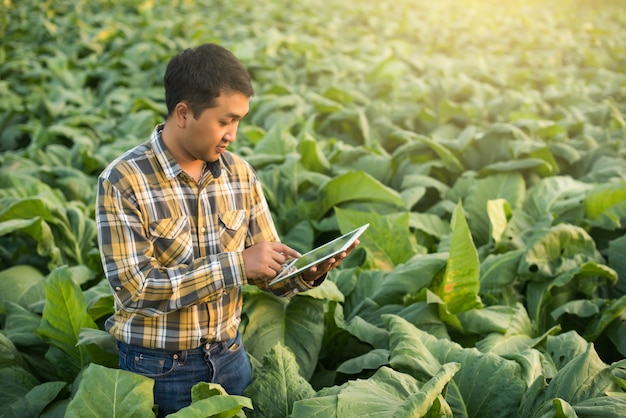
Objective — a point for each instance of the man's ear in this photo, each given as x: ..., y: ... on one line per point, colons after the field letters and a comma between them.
x: 181, y: 113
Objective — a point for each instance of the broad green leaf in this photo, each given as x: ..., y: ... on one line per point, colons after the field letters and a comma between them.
x: 20, y: 325
x: 559, y: 197
x: 499, y: 212
x: 532, y: 362
x: 387, y: 393
x: 605, y: 205
x: 277, y: 141
x: 612, y: 406
x: 363, y: 330
x: 538, y: 165
x: 609, y: 314
x: 99, y: 300
x: 386, y: 240
x: 35, y: 401
x: 584, y: 377
x: 616, y: 332
x: 518, y: 336
x: 430, y: 224
x: 565, y: 347
x: 277, y: 385
x: 64, y: 315
x: 313, y: 158
x: 616, y: 248
x: 9, y: 355
x: 444, y: 154
x: 498, y: 271
x: 558, y: 250
x: 356, y: 186
x: 372, y: 360
x: 16, y: 384
x: 40, y: 231
x: 481, y: 377
x: 105, y: 392
x: 23, y: 285
x: 102, y: 346
x: 420, y: 403
x: 297, y: 323
x: 460, y: 285
x: 410, y: 277
x: 326, y: 291
x: 211, y: 400
x: 497, y: 318
x: 508, y: 187
x: 581, y: 308
x: 408, y: 353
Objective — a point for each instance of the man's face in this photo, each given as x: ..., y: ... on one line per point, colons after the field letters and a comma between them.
x: 209, y: 135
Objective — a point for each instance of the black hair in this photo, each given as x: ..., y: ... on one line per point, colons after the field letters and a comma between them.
x: 199, y: 75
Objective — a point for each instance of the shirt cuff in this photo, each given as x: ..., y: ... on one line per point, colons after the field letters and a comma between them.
x: 303, y: 285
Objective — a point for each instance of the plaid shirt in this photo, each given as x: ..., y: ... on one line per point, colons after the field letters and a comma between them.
x: 171, y: 247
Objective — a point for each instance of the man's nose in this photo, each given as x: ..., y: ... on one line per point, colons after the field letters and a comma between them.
x: 231, y: 134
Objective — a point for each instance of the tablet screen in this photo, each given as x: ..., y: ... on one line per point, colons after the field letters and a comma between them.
x: 318, y: 255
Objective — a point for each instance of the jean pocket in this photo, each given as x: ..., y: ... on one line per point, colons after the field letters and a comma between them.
x: 235, y: 344
x: 153, y: 365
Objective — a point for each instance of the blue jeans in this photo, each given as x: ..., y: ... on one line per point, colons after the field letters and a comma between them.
x: 176, y: 372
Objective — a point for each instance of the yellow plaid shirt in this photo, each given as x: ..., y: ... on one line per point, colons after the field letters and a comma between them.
x: 171, y: 247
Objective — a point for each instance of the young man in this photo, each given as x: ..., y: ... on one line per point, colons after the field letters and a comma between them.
x: 182, y: 225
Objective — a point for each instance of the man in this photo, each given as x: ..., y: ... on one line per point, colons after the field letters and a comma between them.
x: 182, y: 225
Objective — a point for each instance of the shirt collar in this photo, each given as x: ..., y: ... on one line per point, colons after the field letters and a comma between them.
x: 168, y: 162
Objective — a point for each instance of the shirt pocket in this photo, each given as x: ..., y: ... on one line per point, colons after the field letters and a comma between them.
x: 233, y: 229
x: 171, y: 239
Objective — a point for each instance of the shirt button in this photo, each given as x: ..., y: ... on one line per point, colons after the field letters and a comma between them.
x: 118, y: 288
x: 203, y: 229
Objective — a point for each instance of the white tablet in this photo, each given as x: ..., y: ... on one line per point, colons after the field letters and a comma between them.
x: 320, y: 254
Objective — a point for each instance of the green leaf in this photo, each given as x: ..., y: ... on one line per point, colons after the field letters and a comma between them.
x: 558, y: 197
x: 23, y: 285
x: 386, y: 241
x: 105, y: 392
x: 508, y: 187
x: 277, y: 385
x: 610, y: 313
x: 312, y: 157
x: 481, y: 377
x: 35, y: 401
x: 584, y: 377
x: 564, y: 348
x: 297, y: 323
x: 16, y: 384
x: 211, y: 400
x: 420, y: 403
x: 518, y: 335
x: 64, y: 315
x: 430, y: 224
x: 356, y: 186
x: 498, y: 271
x: 326, y: 291
x: 371, y: 360
x: 605, y: 205
x: 410, y: 277
x: 20, y: 325
x: 388, y: 393
x: 560, y: 249
x: 40, y: 231
x: 460, y: 285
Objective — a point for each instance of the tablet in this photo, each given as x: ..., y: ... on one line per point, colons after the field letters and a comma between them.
x: 320, y: 254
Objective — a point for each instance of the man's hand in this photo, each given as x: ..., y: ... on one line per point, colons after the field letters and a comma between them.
x: 264, y: 260
x: 319, y: 270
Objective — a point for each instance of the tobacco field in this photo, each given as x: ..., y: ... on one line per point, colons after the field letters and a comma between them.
x: 484, y: 141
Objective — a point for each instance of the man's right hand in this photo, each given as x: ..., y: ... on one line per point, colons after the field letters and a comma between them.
x: 264, y: 260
